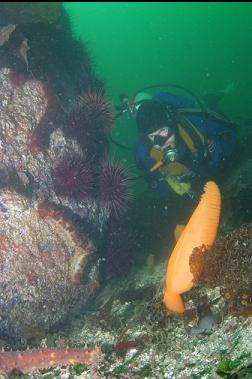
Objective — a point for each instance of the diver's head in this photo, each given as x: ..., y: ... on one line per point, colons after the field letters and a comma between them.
x: 152, y: 116
x: 154, y: 122
x: 157, y: 127
x: 139, y: 99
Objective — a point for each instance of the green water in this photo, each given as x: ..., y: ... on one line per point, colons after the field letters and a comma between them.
x: 197, y: 45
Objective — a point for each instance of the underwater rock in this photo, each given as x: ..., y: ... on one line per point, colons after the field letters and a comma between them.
x: 228, y: 265
x: 46, y: 266
x: 206, y: 310
x: 44, y: 46
x: 22, y: 107
x: 26, y: 12
x: 206, y: 320
x: 237, y: 205
x: 27, y: 114
x: 5, y: 33
x: 205, y: 326
x: 119, y: 248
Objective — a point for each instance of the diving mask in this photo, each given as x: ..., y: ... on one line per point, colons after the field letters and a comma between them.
x: 159, y: 140
x: 160, y: 136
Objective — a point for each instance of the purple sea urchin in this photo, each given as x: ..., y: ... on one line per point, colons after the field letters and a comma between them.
x: 98, y: 110
x: 72, y: 177
x: 89, y: 121
x: 114, y: 191
x: 92, y: 113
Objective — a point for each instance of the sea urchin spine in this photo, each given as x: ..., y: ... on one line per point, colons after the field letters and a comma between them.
x: 90, y: 114
x: 97, y: 109
x: 114, y: 190
x: 90, y: 120
x: 72, y: 177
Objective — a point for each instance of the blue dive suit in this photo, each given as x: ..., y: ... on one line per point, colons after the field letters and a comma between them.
x: 221, y: 137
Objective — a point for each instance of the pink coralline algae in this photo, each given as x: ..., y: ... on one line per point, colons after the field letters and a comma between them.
x: 22, y: 107
x: 43, y: 261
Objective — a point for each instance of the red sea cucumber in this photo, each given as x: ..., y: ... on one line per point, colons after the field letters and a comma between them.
x: 33, y: 360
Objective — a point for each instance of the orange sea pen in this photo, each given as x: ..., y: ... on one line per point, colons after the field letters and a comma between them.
x: 200, y: 230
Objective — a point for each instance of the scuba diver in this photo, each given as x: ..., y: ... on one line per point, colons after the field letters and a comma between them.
x: 182, y: 143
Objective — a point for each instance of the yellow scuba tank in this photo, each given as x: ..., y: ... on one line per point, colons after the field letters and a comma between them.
x: 181, y: 188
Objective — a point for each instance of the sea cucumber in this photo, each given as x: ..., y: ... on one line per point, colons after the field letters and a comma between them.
x: 38, y: 359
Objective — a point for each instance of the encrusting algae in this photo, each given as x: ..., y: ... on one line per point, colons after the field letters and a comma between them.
x: 228, y: 265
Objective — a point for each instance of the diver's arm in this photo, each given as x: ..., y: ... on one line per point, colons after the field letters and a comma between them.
x: 142, y: 155
x: 143, y: 159
x: 144, y: 162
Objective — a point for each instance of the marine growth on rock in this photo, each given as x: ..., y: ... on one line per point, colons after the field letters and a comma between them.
x: 43, y: 263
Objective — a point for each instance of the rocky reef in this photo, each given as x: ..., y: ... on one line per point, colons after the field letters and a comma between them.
x: 228, y: 266
x: 53, y: 150
x: 139, y: 339
x: 43, y: 265
x: 62, y: 233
